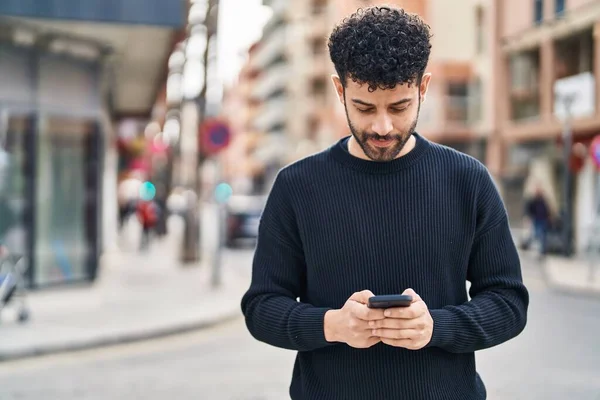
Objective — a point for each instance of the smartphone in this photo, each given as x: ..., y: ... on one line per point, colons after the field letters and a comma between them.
x: 390, y: 301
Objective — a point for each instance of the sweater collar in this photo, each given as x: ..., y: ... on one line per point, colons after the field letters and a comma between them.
x: 340, y: 153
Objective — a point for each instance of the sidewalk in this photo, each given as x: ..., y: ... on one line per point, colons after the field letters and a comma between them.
x: 137, y: 296
x: 572, y: 275
x: 575, y: 275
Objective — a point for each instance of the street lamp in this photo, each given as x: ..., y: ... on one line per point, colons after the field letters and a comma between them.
x: 567, y: 138
x: 202, y: 23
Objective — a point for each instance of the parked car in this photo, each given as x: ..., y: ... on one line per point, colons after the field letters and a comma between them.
x: 243, y: 214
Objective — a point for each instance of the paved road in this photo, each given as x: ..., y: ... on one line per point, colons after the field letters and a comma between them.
x: 556, y: 358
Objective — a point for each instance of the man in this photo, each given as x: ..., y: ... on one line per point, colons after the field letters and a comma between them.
x: 384, y: 211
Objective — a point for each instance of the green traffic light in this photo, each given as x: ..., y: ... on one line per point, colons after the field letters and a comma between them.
x: 147, y: 191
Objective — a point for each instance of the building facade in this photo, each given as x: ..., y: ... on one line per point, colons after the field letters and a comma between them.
x: 69, y: 72
x: 548, y: 66
x: 300, y: 110
x: 292, y: 84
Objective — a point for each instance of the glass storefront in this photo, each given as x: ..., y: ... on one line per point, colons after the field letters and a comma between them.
x: 50, y: 164
x: 15, y: 205
x: 61, y: 246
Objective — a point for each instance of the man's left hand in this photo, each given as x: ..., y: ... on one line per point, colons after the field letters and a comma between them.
x: 408, y: 327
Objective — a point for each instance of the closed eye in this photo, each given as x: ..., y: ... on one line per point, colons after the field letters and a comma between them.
x: 398, y: 110
x: 365, y: 111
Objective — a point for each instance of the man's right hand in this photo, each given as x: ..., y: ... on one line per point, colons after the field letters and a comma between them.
x: 350, y: 324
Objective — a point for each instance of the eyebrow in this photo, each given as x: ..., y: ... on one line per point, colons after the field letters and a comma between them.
x: 364, y: 103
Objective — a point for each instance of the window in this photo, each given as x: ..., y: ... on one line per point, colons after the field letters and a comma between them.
x: 480, y: 31
x: 475, y: 100
x: 319, y: 91
x: 319, y: 7
x: 319, y: 46
x: 524, y: 71
x: 319, y: 86
x: 524, y: 85
x: 559, y: 7
x: 457, y: 101
x: 574, y: 54
x: 538, y: 11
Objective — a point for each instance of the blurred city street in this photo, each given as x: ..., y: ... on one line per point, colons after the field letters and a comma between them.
x: 555, y: 358
x: 140, y: 139
x: 140, y: 295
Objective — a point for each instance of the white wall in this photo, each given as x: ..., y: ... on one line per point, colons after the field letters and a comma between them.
x: 453, y: 28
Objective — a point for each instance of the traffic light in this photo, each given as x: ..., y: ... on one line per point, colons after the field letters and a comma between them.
x: 147, y: 191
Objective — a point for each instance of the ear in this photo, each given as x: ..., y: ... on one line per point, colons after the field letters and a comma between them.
x: 339, y: 88
x: 424, y: 85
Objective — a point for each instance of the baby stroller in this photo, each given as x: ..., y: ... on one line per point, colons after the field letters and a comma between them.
x: 12, y: 284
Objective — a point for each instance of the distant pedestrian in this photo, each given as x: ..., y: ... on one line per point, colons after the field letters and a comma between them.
x: 148, y: 215
x: 384, y: 211
x: 538, y: 212
x: 161, y: 203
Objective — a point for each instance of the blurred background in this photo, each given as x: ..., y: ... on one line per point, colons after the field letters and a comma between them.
x: 139, y: 139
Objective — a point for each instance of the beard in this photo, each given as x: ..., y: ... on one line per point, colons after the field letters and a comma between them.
x: 388, y: 153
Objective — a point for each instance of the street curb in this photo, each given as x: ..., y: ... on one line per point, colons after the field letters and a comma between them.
x: 124, y: 338
x: 560, y: 287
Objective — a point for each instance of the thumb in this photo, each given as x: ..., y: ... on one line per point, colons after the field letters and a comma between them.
x: 362, y: 297
x: 413, y: 294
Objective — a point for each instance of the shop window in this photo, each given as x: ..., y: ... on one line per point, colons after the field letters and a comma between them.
x: 16, y: 136
x: 66, y: 201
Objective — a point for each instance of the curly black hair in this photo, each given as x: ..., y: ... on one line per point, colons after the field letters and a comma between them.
x: 381, y: 47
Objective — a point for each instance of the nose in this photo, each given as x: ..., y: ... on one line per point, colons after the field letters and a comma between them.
x: 382, y: 125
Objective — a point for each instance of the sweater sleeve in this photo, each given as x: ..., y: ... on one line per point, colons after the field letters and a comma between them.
x: 272, y: 313
x: 497, y: 310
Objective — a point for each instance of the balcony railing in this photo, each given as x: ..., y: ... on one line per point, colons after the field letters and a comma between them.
x: 272, y: 80
x: 273, y: 113
x: 271, y: 48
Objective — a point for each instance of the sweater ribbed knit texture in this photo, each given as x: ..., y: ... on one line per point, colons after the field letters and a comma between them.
x: 430, y: 220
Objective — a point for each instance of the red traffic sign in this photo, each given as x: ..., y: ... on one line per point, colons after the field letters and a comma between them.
x: 215, y: 136
x: 595, y: 151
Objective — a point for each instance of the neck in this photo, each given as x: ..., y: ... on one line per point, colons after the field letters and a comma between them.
x: 355, y: 149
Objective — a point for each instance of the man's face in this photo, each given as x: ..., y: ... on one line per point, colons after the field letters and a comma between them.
x: 382, y: 121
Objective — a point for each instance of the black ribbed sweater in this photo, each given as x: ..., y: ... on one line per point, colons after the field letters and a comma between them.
x: 431, y: 220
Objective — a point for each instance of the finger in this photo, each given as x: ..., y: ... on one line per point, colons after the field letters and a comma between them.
x: 362, y: 297
x: 357, y: 324
x: 398, y: 323
x: 365, y: 313
x: 415, y: 310
x: 413, y: 294
x: 405, y: 343
x: 396, y: 334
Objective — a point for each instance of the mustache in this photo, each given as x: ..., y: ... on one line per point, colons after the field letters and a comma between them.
x: 386, y: 137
